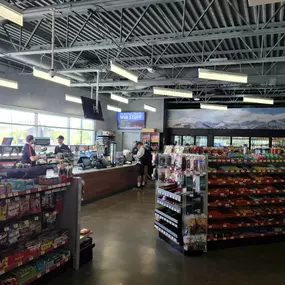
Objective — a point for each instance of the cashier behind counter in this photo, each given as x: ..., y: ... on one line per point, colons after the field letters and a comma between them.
x: 61, y: 147
x: 28, y: 152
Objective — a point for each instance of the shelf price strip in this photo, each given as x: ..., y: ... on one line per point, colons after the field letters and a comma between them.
x: 169, y: 205
x: 244, y: 225
x: 169, y: 194
x: 166, y: 234
x: 166, y: 220
x: 247, y: 236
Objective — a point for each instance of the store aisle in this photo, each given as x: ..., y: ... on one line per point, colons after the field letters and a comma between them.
x: 128, y: 252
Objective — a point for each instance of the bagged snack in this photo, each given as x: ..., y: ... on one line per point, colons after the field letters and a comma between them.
x: 35, y: 204
x: 49, y: 220
x: 13, y: 234
x: 24, y: 205
x: 24, y: 230
x: 3, y: 210
x: 13, y: 208
x: 48, y: 201
x: 58, y: 202
x: 35, y: 225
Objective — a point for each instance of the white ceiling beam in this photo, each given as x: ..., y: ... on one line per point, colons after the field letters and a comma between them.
x: 107, y: 45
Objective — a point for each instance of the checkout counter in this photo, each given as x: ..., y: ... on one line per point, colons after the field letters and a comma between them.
x: 101, y: 183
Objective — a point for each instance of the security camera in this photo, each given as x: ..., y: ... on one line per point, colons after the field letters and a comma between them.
x: 52, y: 73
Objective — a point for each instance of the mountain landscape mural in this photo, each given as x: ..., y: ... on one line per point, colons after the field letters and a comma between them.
x: 244, y: 118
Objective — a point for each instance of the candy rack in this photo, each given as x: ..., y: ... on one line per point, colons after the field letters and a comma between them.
x: 39, y: 231
x: 246, y: 197
x: 181, y: 201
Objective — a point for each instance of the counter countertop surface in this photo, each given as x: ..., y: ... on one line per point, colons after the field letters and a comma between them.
x: 77, y: 171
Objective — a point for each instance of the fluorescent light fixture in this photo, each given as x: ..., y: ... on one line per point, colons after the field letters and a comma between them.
x: 8, y: 83
x: 222, y: 76
x: 119, y: 98
x: 11, y: 13
x: 112, y: 108
x: 213, y: 107
x: 73, y: 99
x: 124, y: 72
x: 149, y: 108
x: 258, y: 100
x: 172, y: 92
x: 56, y: 79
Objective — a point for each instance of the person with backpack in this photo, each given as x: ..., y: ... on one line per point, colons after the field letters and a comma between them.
x: 143, y: 159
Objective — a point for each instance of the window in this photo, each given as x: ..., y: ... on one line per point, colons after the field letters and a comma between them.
x: 19, y: 124
x: 53, y: 134
x: 75, y: 137
x: 53, y: 121
x: 87, y: 124
x: 75, y: 123
x: 87, y: 137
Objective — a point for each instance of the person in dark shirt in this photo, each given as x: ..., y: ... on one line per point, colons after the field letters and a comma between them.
x: 61, y: 147
x: 28, y: 152
x: 135, y: 148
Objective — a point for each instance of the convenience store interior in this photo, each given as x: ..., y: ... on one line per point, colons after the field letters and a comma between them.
x: 207, y: 77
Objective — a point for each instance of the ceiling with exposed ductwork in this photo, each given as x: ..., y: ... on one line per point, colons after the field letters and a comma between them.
x: 163, y: 41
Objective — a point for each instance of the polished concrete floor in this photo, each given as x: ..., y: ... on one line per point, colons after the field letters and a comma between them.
x: 129, y: 252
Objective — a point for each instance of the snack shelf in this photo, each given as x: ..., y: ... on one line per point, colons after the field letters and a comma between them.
x: 237, y: 160
x: 166, y: 234
x: 245, y: 236
x: 245, y: 192
x: 166, y: 218
x: 170, y: 206
x: 245, y: 225
x: 46, y: 271
x: 39, y: 188
x: 219, y: 171
x: 32, y: 257
x: 169, y: 194
x: 250, y: 182
x: 239, y: 215
x: 247, y: 203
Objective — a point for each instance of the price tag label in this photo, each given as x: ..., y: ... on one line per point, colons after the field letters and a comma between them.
x: 28, y: 191
x: 39, y: 275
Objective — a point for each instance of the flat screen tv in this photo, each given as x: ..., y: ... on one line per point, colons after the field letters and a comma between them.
x: 89, y: 109
x: 131, y: 120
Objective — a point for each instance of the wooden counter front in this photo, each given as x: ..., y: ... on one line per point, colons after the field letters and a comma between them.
x: 105, y: 182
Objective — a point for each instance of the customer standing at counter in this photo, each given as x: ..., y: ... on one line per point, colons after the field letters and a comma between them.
x: 28, y: 153
x: 61, y: 147
x: 143, y: 159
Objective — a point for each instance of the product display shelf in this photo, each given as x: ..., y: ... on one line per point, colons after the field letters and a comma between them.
x: 36, y: 189
x: 18, y: 260
x: 32, y: 257
x: 46, y: 271
x: 246, y: 198
x: 181, y: 203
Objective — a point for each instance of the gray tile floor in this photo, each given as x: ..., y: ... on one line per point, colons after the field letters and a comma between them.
x: 129, y: 252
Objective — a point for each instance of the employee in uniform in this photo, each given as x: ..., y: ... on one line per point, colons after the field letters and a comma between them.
x: 28, y: 153
x: 61, y: 147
